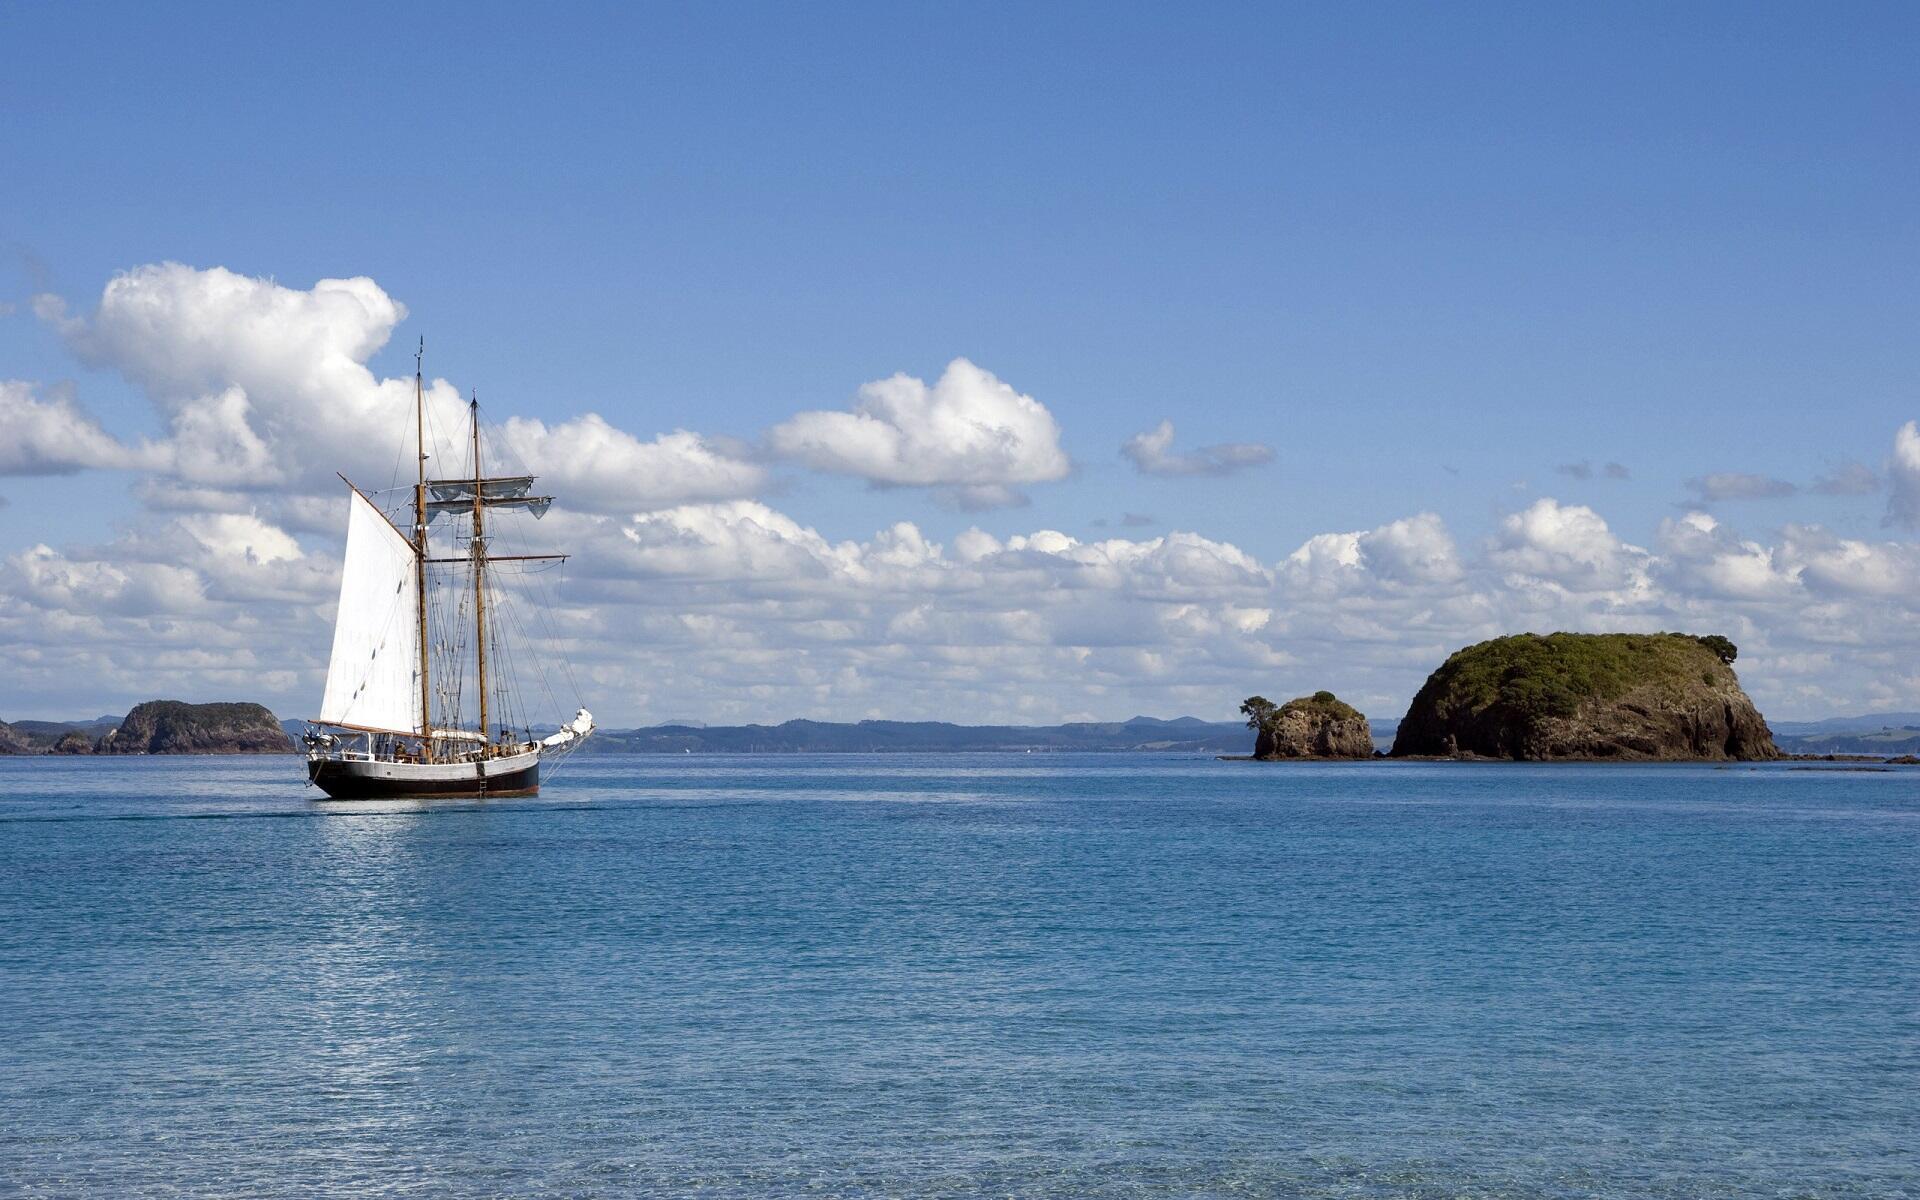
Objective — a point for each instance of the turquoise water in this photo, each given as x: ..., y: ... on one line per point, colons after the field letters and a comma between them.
x: 955, y: 976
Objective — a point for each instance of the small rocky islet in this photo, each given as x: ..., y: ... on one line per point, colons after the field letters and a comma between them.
x: 1317, y: 726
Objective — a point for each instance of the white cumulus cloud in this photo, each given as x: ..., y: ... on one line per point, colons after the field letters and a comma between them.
x: 1832, y: 565
x: 1416, y: 550
x: 1702, y: 555
x: 596, y: 465
x: 968, y: 433
x: 266, y: 387
x: 689, y: 596
x: 55, y: 437
x: 1568, y: 545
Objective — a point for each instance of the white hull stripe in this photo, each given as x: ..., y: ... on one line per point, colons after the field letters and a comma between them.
x: 437, y: 772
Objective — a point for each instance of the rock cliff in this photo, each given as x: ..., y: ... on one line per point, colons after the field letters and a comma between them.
x: 72, y: 742
x: 173, y: 727
x: 1660, y: 696
x: 1316, y: 726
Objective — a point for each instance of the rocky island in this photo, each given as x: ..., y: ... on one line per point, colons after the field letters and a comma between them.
x: 173, y: 727
x: 1653, y: 696
x: 158, y: 727
x: 1316, y: 726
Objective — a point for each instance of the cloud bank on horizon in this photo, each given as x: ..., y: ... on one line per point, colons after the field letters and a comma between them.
x: 692, y: 594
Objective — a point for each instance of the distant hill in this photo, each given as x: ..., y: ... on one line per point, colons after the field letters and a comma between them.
x: 1865, y: 723
x: 1889, y: 740
x: 48, y: 737
x: 51, y: 730
x: 1188, y: 735
x: 1178, y: 735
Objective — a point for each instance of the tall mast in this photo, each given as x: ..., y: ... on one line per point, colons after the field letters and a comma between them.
x: 479, y: 567
x: 420, y: 548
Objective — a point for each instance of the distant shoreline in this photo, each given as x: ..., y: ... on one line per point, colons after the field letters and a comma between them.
x: 1839, y: 760
x: 1880, y: 737
x: 1836, y: 761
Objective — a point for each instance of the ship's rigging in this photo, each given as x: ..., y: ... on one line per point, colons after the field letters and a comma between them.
x: 433, y: 653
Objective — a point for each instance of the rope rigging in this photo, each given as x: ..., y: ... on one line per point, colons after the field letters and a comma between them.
x: 467, y: 598
x: 518, y: 647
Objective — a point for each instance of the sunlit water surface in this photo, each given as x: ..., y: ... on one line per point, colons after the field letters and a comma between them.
x: 1066, y: 975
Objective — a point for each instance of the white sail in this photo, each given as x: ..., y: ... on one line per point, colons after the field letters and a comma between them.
x: 373, y: 678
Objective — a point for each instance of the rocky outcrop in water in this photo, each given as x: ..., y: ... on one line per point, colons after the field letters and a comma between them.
x: 12, y: 741
x: 1316, y: 726
x: 1659, y: 696
x: 174, y: 727
x: 72, y: 742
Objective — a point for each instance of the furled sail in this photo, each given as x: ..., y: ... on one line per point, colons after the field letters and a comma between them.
x: 373, y: 678
x: 499, y: 487
x: 537, y: 505
x: 505, y: 491
x: 572, y: 731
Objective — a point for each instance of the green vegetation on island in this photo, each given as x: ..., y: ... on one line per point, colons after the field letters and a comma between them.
x: 175, y: 727
x: 1317, y: 726
x: 1582, y: 695
x: 156, y: 727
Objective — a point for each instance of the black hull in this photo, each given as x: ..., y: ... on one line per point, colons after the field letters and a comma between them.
x: 347, y: 780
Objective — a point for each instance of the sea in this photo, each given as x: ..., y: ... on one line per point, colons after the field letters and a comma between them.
x: 1062, y: 975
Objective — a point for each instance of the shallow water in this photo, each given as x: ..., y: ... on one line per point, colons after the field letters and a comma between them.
x: 1070, y: 975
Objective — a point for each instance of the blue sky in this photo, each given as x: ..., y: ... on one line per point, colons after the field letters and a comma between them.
x: 1427, y: 254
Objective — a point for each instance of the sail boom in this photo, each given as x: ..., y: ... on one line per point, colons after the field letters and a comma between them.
x: 407, y: 733
x: 439, y: 735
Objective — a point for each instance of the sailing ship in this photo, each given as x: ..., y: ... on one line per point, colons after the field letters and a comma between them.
x: 393, y: 721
